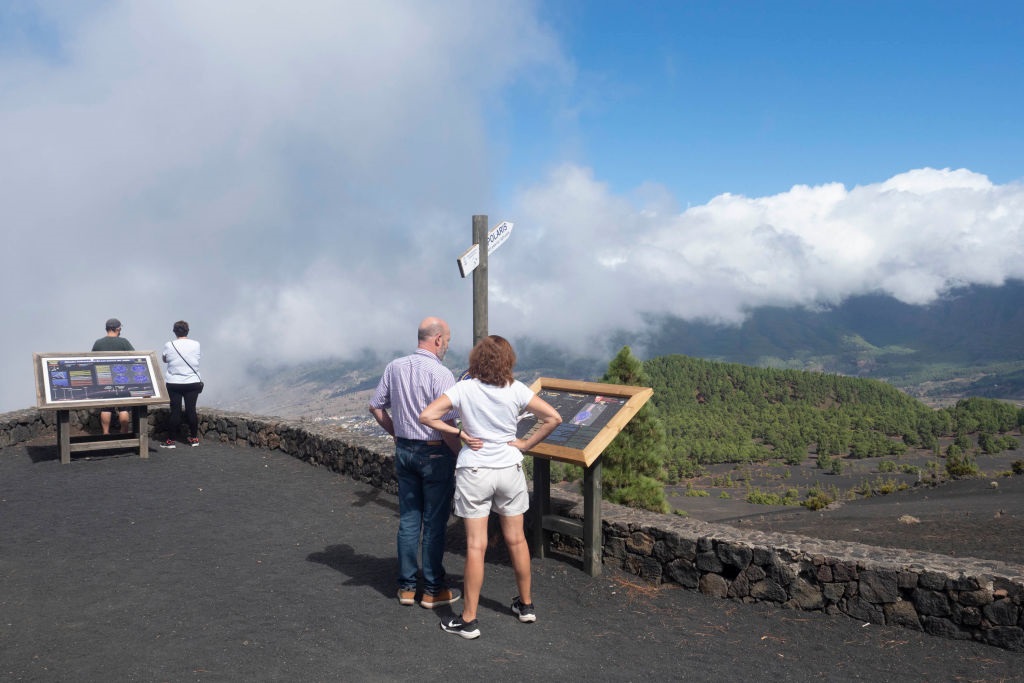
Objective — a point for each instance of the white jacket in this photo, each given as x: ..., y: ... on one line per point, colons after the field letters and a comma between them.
x: 176, y: 353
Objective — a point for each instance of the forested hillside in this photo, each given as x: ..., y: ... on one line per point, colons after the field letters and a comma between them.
x: 966, y: 344
x: 725, y: 412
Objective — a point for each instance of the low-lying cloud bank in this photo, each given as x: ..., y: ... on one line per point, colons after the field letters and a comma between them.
x: 598, y: 261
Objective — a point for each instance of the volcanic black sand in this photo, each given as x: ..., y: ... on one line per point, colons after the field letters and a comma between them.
x: 982, y: 518
x: 235, y: 564
x: 976, y: 517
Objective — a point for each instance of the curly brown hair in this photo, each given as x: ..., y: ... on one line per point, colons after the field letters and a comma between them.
x: 491, y: 361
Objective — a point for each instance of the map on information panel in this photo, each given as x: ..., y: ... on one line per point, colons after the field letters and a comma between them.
x: 592, y: 415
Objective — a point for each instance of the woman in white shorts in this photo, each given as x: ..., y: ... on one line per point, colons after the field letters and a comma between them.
x: 489, y: 472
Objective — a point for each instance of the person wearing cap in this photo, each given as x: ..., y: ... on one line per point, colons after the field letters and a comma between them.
x: 424, y: 462
x: 113, y: 341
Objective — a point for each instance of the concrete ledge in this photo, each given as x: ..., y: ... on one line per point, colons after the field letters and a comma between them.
x: 961, y: 598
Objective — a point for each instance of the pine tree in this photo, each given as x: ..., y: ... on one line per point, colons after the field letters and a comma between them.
x: 634, y: 463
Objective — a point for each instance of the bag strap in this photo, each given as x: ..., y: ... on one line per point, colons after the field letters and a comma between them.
x: 194, y: 371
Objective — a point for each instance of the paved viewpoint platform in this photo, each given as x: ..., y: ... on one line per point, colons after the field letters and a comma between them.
x: 223, y: 563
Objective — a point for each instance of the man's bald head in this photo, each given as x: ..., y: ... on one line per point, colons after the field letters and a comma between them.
x: 434, y: 335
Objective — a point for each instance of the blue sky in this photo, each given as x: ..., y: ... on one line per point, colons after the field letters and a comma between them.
x: 298, y: 180
x: 755, y: 97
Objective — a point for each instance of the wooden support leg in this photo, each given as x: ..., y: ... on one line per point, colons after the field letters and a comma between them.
x: 140, y: 427
x: 592, y: 519
x: 541, y: 504
x: 64, y: 436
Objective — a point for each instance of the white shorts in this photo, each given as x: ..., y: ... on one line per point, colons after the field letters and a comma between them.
x: 478, y: 490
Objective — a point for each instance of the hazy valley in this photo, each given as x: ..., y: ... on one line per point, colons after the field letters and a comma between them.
x: 969, y: 344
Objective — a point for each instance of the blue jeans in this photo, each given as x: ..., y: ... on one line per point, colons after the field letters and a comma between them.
x: 426, y: 483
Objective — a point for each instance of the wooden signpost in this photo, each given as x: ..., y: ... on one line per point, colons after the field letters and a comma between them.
x: 474, y: 260
x: 129, y: 380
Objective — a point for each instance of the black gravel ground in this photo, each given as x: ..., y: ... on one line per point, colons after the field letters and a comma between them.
x: 982, y: 518
x: 233, y: 564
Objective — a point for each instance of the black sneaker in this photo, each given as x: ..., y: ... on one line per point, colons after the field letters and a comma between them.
x: 455, y: 625
x: 523, y: 611
x: 168, y: 444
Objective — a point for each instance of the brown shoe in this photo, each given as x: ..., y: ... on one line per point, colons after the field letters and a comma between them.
x: 445, y: 596
x: 406, y: 597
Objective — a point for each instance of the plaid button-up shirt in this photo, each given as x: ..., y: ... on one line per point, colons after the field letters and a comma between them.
x: 409, y: 384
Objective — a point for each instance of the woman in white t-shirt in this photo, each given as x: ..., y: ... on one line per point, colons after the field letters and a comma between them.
x: 489, y: 472
x: 184, y: 384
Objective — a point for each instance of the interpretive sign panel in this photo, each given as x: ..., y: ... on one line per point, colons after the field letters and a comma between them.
x: 592, y: 415
x: 98, y: 378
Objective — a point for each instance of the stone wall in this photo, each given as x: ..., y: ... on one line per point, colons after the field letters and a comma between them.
x: 959, y: 598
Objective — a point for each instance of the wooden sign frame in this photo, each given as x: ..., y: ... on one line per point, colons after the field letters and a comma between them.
x: 627, y: 400
x: 92, y: 392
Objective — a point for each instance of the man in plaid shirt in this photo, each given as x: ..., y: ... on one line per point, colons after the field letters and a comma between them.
x: 424, y: 462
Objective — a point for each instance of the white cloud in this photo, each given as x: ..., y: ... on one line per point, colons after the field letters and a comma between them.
x: 597, y: 262
x: 290, y: 178
x: 297, y: 181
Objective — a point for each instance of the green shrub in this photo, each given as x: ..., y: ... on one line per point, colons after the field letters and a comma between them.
x: 758, y: 497
x: 643, y: 492
x: 679, y: 467
x: 794, y: 458
x: 963, y: 465
x: 886, y: 487
x: 693, y: 492
x: 897, y: 448
x: 932, y: 474
x: 723, y: 482
x: 864, y: 488
x: 829, y: 463
x: 817, y: 499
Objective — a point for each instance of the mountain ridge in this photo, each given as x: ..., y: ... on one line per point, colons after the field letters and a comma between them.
x: 969, y: 343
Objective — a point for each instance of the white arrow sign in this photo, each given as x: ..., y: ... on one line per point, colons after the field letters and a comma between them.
x: 495, y: 238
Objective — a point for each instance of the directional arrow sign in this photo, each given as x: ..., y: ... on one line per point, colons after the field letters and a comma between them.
x: 495, y: 238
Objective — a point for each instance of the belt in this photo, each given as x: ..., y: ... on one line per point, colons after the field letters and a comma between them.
x: 425, y: 443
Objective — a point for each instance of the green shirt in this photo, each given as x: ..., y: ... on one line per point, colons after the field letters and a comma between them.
x: 112, y: 344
